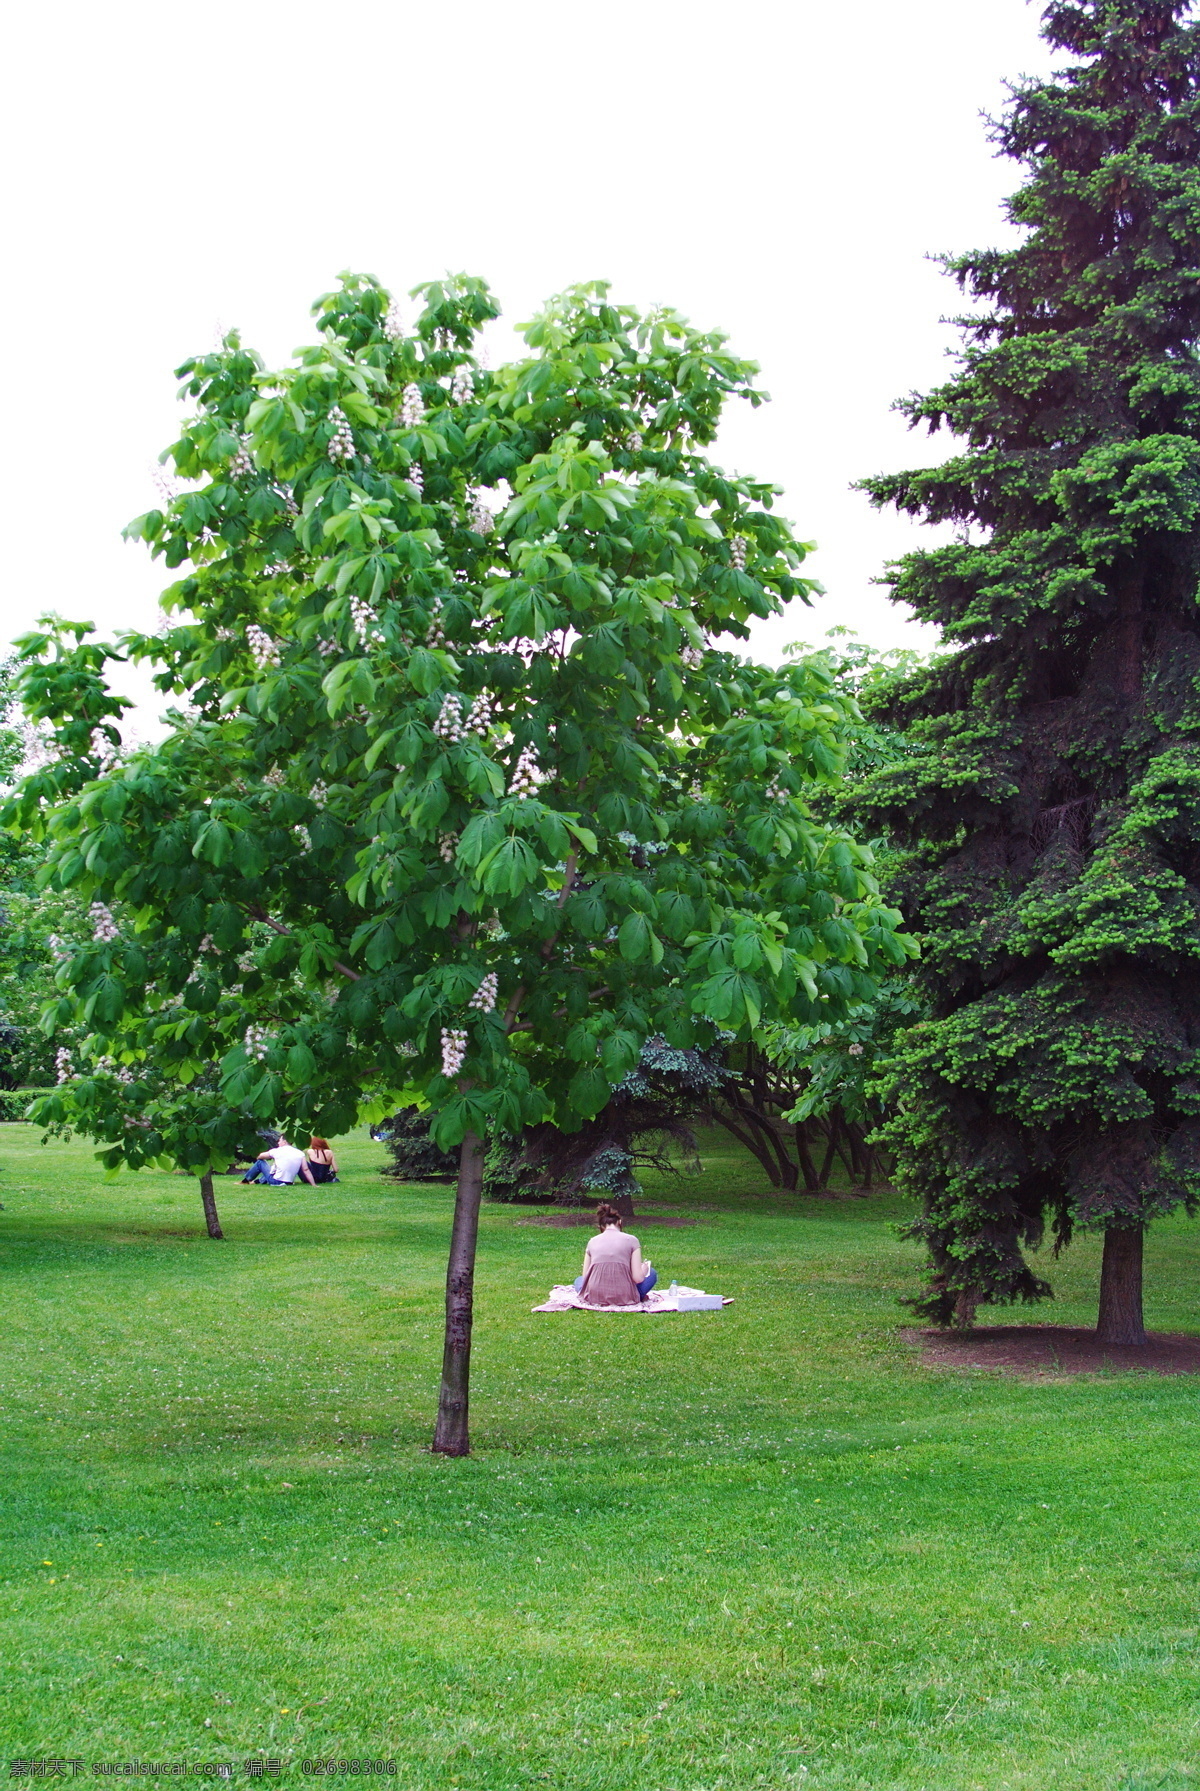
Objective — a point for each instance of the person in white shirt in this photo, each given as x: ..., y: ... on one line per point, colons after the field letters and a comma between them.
x: 279, y: 1166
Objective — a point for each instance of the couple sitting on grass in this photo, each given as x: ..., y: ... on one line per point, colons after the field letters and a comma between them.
x: 613, y: 1271
x: 280, y: 1166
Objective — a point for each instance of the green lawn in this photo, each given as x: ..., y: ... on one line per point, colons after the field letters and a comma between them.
x: 757, y: 1548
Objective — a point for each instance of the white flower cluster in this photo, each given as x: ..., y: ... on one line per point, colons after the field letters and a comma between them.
x: 104, y: 927
x: 263, y: 649
x: 527, y: 774
x: 206, y: 944
x: 326, y: 648
x: 303, y: 835
x: 462, y: 386
x: 63, y: 1065
x: 635, y: 442
x: 855, y: 1050
x: 775, y: 791
x: 479, y: 715
x: 454, y: 1051
x: 319, y: 794
x: 365, y: 622
x: 484, y: 998
x: 393, y: 323
x: 479, y: 516
x: 412, y: 411
x: 257, y: 1042
x: 100, y: 747
x: 737, y: 553
x: 447, y: 846
x: 449, y: 724
x: 416, y: 477
x: 277, y: 569
x: 638, y: 849
x: 406, y: 1048
x: 125, y: 1076
x: 241, y: 466
x: 60, y: 951
x: 276, y: 777
x: 166, y: 485
x: 692, y: 657
x: 435, y: 634
x: 341, y: 442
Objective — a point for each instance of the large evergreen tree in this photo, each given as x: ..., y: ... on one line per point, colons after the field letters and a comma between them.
x: 1052, y: 827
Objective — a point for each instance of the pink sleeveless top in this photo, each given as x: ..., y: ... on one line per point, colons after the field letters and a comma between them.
x: 609, y: 1278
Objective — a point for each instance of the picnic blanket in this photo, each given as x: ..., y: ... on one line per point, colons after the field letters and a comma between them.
x: 659, y: 1299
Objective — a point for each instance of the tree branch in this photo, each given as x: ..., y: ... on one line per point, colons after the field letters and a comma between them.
x: 560, y: 1013
x: 287, y: 933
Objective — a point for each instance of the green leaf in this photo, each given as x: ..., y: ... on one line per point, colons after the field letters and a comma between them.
x: 513, y: 867
x: 480, y: 837
x: 638, y: 941
x: 301, y: 1066
x: 213, y: 843
x: 374, y: 752
x: 584, y: 835
x: 463, y: 1113
x: 587, y: 913
x: 634, y: 938
x: 423, y: 671
x: 619, y: 1055
x: 553, y: 834
x: 589, y: 1091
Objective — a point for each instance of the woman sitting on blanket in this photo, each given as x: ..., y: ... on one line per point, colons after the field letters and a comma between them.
x: 613, y: 1271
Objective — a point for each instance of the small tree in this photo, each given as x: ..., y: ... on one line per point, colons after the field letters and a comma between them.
x: 134, y: 1083
x: 1052, y: 856
x: 446, y: 645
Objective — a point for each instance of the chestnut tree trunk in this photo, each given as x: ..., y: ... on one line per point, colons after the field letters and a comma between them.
x: 210, y: 1205
x: 452, y: 1435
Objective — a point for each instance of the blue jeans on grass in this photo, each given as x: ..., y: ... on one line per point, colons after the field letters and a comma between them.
x: 260, y: 1173
x: 643, y: 1287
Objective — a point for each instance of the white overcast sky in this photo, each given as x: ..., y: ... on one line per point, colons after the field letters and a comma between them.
x: 780, y: 171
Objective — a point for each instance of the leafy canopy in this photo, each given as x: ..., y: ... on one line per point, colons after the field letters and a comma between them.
x: 456, y: 738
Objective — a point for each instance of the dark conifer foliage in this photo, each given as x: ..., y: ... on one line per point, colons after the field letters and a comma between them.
x: 650, y: 1116
x: 1052, y: 827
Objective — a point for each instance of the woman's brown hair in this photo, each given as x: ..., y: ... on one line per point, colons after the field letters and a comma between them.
x: 607, y: 1214
x: 318, y: 1144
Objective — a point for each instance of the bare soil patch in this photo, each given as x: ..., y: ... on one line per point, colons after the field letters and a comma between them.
x: 1049, y: 1351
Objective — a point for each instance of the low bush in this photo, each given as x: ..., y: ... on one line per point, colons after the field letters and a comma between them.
x: 14, y: 1102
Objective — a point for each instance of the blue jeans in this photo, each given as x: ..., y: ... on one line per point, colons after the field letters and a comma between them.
x: 258, y: 1172
x: 643, y: 1287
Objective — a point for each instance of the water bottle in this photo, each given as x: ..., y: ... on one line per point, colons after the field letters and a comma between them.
x: 673, y: 1290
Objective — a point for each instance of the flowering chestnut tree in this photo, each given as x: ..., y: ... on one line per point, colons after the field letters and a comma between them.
x: 133, y: 1081
x: 456, y: 736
